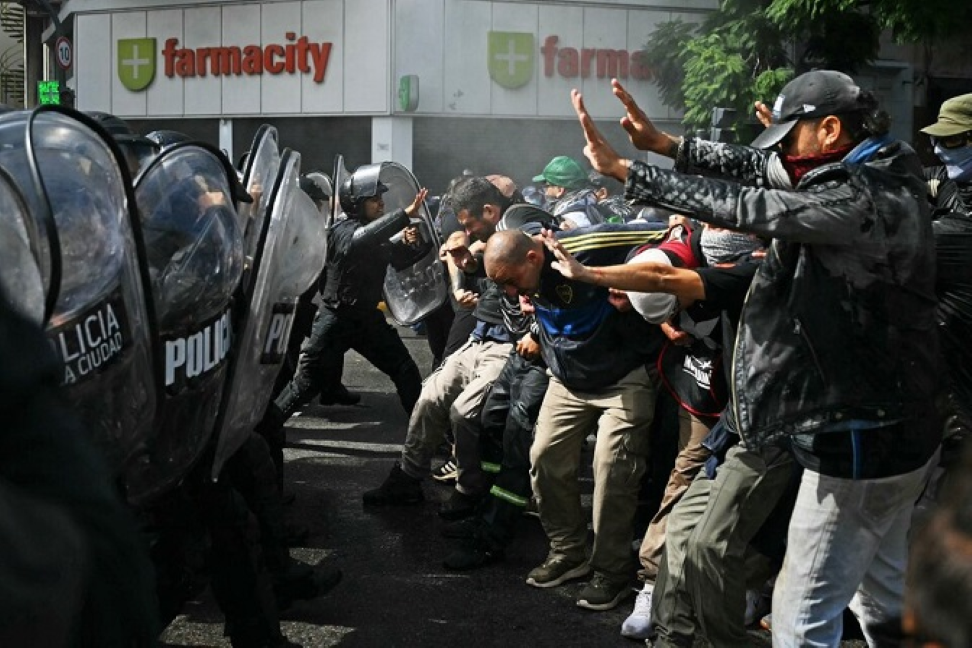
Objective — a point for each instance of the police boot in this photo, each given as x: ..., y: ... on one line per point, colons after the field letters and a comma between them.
x: 300, y: 582
x: 398, y: 489
x: 339, y: 396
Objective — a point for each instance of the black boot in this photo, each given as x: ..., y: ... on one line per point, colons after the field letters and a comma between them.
x: 398, y: 489
x: 474, y: 553
x: 301, y: 582
x: 340, y: 396
x: 459, y: 506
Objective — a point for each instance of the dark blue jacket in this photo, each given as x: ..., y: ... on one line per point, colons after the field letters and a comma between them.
x: 587, y: 343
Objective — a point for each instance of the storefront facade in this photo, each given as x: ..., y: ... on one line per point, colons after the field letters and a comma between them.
x: 437, y: 85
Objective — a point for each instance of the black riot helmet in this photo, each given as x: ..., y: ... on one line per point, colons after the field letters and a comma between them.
x: 165, y: 138
x: 358, y: 187
x: 318, y: 186
x: 138, y: 149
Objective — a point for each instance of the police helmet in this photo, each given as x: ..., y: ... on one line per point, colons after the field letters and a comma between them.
x: 316, y: 185
x: 359, y: 186
x: 166, y: 138
x: 138, y: 149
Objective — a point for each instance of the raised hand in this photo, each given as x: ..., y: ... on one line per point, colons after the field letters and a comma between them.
x: 641, y: 131
x: 419, y: 198
x: 764, y: 114
x: 565, y: 264
x: 601, y: 155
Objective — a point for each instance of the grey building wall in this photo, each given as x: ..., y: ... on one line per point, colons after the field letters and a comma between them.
x: 442, y: 147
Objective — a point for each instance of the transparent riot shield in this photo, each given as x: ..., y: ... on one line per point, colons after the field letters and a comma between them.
x: 20, y: 276
x: 288, y: 259
x: 338, y: 177
x: 78, y: 192
x: 194, y: 248
x: 413, y: 292
x: 262, y: 165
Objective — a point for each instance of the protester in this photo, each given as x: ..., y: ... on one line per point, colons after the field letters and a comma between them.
x: 452, y: 397
x: 836, y: 355
x: 950, y: 185
x: 568, y: 192
x: 596, y: 356
x: 708, y: 293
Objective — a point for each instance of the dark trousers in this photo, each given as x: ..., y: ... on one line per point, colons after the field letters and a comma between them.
x: 508, y: 418
x: 335, y: 331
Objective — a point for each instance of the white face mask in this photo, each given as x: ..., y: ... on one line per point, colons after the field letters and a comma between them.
x: 957, y: 161
x: 723, y: 246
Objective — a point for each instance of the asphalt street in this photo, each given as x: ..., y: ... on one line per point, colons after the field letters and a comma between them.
x: 395, y: 591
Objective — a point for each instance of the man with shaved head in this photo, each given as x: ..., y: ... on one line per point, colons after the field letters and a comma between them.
x: 599, y: 358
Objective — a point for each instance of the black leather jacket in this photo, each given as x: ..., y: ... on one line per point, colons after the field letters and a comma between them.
x: 838, y: 328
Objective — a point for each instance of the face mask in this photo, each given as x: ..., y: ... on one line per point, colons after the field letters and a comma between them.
x: 957, y: 161
x: 799, y: 165
x: 723, y: 246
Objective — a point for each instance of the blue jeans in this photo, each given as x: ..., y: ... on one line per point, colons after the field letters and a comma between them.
x: 847, y: 544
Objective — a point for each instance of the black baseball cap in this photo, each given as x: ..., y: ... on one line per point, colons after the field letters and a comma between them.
x: 817, y: 93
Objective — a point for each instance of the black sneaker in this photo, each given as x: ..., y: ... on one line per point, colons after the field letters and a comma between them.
x: 472, y: 555
x: 447, y: 473
x: 398, y: 489
x: 340, y: 396
x: 459, y: 506
x: 602, y: 593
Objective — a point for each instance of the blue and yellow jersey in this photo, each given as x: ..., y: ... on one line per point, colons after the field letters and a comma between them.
x: 586, y: 342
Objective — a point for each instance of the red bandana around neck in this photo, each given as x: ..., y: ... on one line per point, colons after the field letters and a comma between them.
x: 799, y: 165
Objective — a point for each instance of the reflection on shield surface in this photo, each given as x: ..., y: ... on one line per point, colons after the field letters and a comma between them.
x: 288, y: 258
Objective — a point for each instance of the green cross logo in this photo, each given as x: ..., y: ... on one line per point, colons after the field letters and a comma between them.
x: 510, y: 56
x: 136, y: 62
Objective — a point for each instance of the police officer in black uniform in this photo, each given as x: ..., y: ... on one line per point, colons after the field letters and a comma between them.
x: 360, y: 252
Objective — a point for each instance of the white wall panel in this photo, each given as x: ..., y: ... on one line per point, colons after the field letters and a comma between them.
x: 367, y: 50
x: 466, y: 79
x: 419, y: 49
x: 509, y: 17
x: 323, y: 22
x: 240, y: 27
x: 125, y: 103
x: 165, y: 95
x: 203, y: 92
x: 605, y: 44
x: 94, y: 62
x: 280, y: 92
x: 443, y: 42
x: 568, y: 25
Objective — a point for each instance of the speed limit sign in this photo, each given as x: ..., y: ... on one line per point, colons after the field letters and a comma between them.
x: 63, y: 52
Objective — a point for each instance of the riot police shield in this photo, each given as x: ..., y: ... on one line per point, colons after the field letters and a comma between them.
x: 339, y: 175
x: 289, y: 257
x: 194, y: 248
x: 262, y: 164
x: 415, y: 291
x: 20, y: 277
x: 78, y: 191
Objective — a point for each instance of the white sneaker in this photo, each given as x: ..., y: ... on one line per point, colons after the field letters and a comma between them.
x: 638, y: 623
x: 756, y: 606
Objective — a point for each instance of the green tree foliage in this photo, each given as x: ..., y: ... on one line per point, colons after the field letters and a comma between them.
x: 739, y: 54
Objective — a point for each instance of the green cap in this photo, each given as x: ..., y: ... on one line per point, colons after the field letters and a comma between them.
x: 954, y: 118
x: 563, y: 171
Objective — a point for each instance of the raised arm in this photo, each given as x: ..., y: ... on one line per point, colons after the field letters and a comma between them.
x: 647, y: 276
